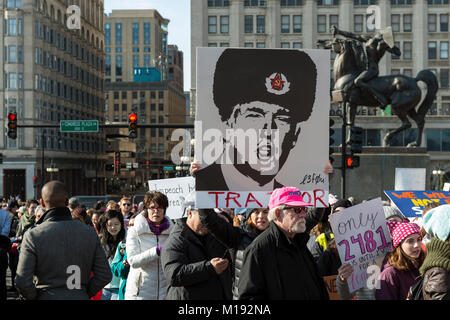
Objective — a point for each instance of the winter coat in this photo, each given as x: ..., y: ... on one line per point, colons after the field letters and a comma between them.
x: 14, y: 224
x: 119, y: 270
x: 328, y: 263
x: 278, y: 268
x: 394, y: 284
x: 232, y: 237
x: 56, y: 251
x: 186, y: 259
x: 146, y: 280
x: 436, y: 271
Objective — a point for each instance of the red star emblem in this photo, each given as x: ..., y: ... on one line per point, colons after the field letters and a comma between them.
x: 277, y: 83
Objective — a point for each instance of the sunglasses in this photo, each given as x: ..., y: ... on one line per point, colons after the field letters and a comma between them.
x: 126, y: 204
x: 296, y: 209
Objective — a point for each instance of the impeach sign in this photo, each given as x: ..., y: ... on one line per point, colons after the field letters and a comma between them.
x: 411, y: 203
x: 362, y: 238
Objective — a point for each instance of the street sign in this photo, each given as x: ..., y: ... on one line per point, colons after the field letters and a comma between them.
x: 168, y: 168
x: 78, y: 126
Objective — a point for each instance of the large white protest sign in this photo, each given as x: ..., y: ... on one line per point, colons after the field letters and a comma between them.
x: 410, y: 178
x: 261, y: 123
x: 176, y: 189
x: 362, y: 238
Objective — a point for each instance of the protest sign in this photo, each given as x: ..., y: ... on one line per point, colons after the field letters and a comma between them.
x: 362, y: 237
x: 330, y: 284
x: 176, y: 189
x: 258, y: 110
x: 412, y: 202
x: 410, y: 178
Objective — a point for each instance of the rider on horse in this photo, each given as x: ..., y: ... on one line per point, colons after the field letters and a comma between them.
x: 375, y: 46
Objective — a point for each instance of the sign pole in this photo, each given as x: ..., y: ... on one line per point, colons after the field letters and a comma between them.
x: 344, y: 147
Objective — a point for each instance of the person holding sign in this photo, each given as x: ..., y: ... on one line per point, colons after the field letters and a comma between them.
x: 277, y: 264
x: 402, y: 268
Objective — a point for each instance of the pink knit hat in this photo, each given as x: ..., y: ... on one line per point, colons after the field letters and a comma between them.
x: 401, y: 230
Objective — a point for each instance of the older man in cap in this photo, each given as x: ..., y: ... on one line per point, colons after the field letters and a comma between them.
x: 278, y: 265
x: 265, y: 92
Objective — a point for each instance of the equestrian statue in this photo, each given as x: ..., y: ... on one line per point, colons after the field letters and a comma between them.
x: 357, y: 80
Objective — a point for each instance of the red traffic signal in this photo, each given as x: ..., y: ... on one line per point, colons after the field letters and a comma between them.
x: 12, y: 117
x: 12, y: 125
x: 132, y: 117
x: 352, y: 162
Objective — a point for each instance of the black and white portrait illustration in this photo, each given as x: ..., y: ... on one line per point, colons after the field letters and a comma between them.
x: 261, y: 121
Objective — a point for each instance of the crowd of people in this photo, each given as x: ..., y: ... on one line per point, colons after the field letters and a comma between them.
x: 57, y: 249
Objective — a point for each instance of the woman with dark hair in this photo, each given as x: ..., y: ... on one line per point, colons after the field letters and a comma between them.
x: 402, y: 268
x: 146, y: 280
x: 111, y: 233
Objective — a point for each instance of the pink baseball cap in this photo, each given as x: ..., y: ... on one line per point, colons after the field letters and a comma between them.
x: 290, y: 196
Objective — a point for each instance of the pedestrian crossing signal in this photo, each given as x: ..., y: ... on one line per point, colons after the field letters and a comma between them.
x: 352, y: 162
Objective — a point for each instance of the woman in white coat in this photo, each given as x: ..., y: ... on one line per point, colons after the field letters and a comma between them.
x: 146, y: 280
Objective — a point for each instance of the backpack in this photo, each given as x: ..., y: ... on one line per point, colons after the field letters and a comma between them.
x: 415, y: 292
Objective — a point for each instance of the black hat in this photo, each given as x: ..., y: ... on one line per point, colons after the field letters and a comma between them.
x: 342, y: 203
x: 283, y: 77
x: 12, y: 204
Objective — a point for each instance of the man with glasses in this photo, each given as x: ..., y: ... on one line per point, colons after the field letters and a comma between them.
x: 125, y: 207
x: 278, y: 265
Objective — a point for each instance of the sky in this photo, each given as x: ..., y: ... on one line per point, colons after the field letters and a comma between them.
x: 178, y: 12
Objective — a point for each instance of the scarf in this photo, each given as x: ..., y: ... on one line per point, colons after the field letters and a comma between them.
x: 27, y: 220
x: 157, y: 230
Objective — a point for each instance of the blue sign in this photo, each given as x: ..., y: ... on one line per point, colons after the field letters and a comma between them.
x: 411, y: 203
x: 146, y: 75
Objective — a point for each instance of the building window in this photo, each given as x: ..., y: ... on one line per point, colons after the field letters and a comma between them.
x: 218, y: 3
x: 407, y: 23
x: 260, y: 24
x: 334, y: 20
x: 135, y: 61
x: 321, y: 23
x: 393, y: 56
x: 212, y: 24
x: 12, y: 80
x: 212, y: 44
x: 431, y: 2
x: 358, y: 22
x: 443, y: 77
x: 401, y: 2
x: 224, y: 44
x: 260, y: 44
x: 327, y: 2
x: 14, y: 4
x: 407, y: 72
x: 432, y: 23
x: 107, y: 34
x: 285, y: 45
x: 285, y: 24
x: 407, y: 50
x: 395, y: 22
x: 364, y: 2
x: 443, y: 21
x: 118, y: 65
x: 443, y: 52
x: 248, y: 45
x: 297, y: 23
x: 248, y: 24
x: 108, y: 65
x: 224, y: 24
x: 119, y: 33
x: 135, y: 32
x: 432, y: 48
x: 291, y: 3
x: 147, y: 60
x: 297, y: 45
x: 160, y: 148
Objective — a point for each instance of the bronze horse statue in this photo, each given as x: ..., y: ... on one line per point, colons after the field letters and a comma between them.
x: 401, y: 92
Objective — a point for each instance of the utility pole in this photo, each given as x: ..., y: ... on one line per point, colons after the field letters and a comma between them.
x: 344, y: 147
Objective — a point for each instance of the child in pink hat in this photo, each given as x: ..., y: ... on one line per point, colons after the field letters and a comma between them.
x: 403, y: 263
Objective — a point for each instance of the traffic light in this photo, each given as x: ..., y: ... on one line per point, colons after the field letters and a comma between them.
x: 132, y: 125
x: 356, y: 139
x: 116, y: 162
x: 12, y: 125
x: 147, y: 164
x: 331, y: 150
x: 35, y: 182
x: 352, y: 161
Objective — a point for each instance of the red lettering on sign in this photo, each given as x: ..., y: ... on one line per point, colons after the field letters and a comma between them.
x: 319, y: 197
x: 405, y: 195
x: 217, y: 196
x: 304, y: 198
x: 229, y: 197
x: 250, y: 195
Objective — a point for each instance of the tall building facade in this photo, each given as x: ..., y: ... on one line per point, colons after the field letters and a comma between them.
x: 51, y: 73
x: 421, y: 31
x: 136, y: 43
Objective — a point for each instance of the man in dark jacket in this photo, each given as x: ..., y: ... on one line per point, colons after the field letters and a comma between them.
x: 278, y: 264
x: 61, y: 253
x: 195, y: 264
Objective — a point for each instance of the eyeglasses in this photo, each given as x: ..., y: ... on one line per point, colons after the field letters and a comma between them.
x: 126, y: 204
x: 153, y: 208
x: 296, y: 209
